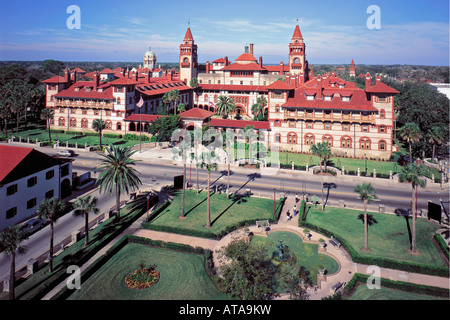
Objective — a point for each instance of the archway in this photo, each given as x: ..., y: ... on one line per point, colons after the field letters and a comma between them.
x: 66, y: 189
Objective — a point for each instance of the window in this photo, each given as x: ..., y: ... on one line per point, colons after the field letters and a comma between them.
x: 32, y: 182
x: 382, y: 129
x: 309, y: 139
x: 49, y: 194
x: 277, y: 123
x: 108, y: 125
x: 346, y: 127
x: 328, y: 140
x: 277, y: 108
x: 292, y: 124
x: 309, y: 98
x: 31, y: 203
x: 382, y: 98
x: 346, y: 142
x: 309, y: 125
x: 83, y: 111
x: 365, y: 128
x: 382, y: 145
x: 11, y: 190
x: 96, y: 113
x: 119, y: 114
x: 364, y: 143
x: 119, y: 126
x: 277, y: 137
x: 382, y: 114
x: 327, y: 125
x: 11, y: 213
x: 84, y: 123
x: 292, y: 138
x: 49, y: 174
x: 61, y: 122
x: 73, y: 122
x: 108, y: 113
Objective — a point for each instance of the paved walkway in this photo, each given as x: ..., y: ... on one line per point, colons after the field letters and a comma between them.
x: 347, y: 268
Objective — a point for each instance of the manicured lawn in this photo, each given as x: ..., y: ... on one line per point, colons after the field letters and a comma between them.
x: 307, y: 253
x: 182, y: 277
x: 388, y: 237
x: 224, y: 212
x: 364, y: 293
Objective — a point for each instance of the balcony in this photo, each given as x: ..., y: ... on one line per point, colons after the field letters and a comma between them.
x: 84, y: 104
x: 334, y: 117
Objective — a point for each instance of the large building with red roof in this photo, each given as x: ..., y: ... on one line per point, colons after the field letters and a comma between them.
x: 302, y: 108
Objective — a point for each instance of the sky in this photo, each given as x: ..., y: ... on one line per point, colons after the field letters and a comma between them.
x: 335, y: 32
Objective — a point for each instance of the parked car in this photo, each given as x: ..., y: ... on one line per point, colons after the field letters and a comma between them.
x: 32, y: 225
x: 65, y: 153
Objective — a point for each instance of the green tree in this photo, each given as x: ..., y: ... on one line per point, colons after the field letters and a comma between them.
x: 366, y: 193
x: 116, y: 173
x: 83, y: 206
x: 182, y: 150
x: 193, y: 83
x: 248, y: 273
x: 181, y: 108
x: 413, y: 174
x: 99, y: 125
x: 166, y: 101
x: 51, y: 210
x: 225, y: 106
x: 163, y: 127
x: 53, y: 66
x: 323, y: 151
x: 10, y: 242
x: 47, y: 114
x: 258, y: 108
x: 435, y: 136
x: 411, y: 133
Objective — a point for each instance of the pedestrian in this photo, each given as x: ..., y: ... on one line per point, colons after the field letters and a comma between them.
x: 295, y: 210
x: 296, y: 197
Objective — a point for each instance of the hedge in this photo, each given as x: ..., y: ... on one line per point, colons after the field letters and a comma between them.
x: 381, y: 262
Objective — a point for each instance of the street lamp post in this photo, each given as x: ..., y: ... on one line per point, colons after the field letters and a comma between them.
x: 274, y: 205
x: 148, y: 198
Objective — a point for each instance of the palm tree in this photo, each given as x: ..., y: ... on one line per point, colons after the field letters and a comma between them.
x: 174, y: 96
x: 411, y: 133
x: 50, y: 210
x: 10, y: 240
x: 258, y: 107
x: 47, y: 114
x: 413, y: 173
x: 366, y: 193
x: 166, y: 101
x: 209, y: 165
x: 225, y: 106
x: 184, y: 148
x: 98, y: 125
x: 323, y: 151
x: 181, y: 107
x: 117, y: 174
x: 435, y: 136
x: 230, y: 156
x: 83, y: 206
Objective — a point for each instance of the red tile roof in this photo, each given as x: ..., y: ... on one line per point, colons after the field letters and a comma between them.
x: 297, y: 33
x: 123, y: 81
x: 279, y: 85
x: 20, y: 162
x: 219, y: 60
x: 161, y: 87
x: 188, y: 36
x: 142, y: 117
x: 72, y: 92
x: 196, y: 113
x: 232, y: 87
x: 55, y: 79
x: 78, y: 70
x: 246, y: 57
x: 380, y: 87
x: 106, y: 70
x: 244, y: 66
x: 228, y: 123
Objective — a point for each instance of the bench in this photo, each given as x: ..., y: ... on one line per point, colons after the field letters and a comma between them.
x: 264, y: 225
x: 335, y: 243
x: 335, y: 288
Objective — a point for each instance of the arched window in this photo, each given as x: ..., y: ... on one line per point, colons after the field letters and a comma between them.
x: 292, y: 138
x: 309, y: 139
x: 118, y: 100
x: 328, y: 140
x: 73, y: 122
x: 119, y: 126
x: 108, y: 125
x: 346, y: 142
x: 84, y: 123
x: 61, y: 121
x: 382, y: 145
x: 364, y: 143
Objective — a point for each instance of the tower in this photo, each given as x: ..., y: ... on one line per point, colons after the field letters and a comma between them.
x: 352, y: 69
x: 150, y: 59
x: 188, y: 58
x: 297, y: 56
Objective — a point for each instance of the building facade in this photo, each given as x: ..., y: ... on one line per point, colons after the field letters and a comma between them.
x: 302, y: 108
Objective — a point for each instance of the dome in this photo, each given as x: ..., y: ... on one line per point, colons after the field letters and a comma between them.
x: 150, y: 54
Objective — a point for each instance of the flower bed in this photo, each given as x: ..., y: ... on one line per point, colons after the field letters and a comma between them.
x: 142, y: 278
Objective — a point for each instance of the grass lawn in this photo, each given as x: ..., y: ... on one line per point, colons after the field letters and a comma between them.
x: 224, y: 212
x: 182, y: 277
x: 307, y: 253
x: 364, y: 293
x: 388, y: 238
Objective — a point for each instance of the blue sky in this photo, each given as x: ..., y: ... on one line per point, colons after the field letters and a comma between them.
x: 412, y: 32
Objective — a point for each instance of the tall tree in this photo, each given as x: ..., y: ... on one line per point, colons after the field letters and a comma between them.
x: 323, y: 151
x: 51, y: 210
x: 225, y: 106
x: 47, y: 114
x: 174, y: 96
x: 116, y: 172
x: 435, y: 136
x: 163, y: 127
x: 99, y: 125
x: 413, y: 174
x: 83, y: 206
x: 183, y: 150
x: 411, y: 133
x: 366, y: 193
x: 258, y: 108
x: 209, y: 164
x: 10, y: 241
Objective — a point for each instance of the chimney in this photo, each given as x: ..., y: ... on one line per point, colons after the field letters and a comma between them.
x: 281, y: 67
x: 260, y: 62
x: 74, y: 77
x: 136, y: 75
x: 368, y: 81
x: 251, y: 48
x: 123, y: 73
x: 302, y: 79
x: 66, y: 75
x: 148, y: 76
x: 96, y: 80
x: 226, y: 61
x: 207, y: 67
x: 378, y: 78
x: 319, y: 87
